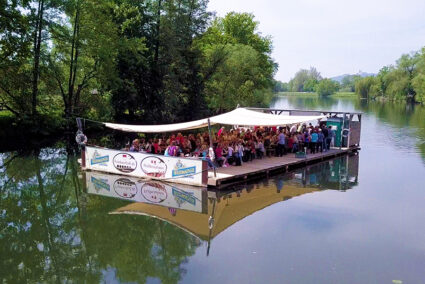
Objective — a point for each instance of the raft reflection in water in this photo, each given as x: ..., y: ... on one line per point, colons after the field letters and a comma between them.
x: 206, y: 214
x: 147, y: 191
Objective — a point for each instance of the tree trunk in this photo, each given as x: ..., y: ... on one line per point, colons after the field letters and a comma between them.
x: 158, y: 24
x: 37, y: 47
x: 69, y: 105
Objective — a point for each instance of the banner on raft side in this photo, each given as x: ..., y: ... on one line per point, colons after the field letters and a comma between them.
x: 171, y: 169
x: 153, y: 192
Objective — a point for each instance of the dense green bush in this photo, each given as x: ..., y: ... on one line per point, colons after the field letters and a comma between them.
x: 326, y: 87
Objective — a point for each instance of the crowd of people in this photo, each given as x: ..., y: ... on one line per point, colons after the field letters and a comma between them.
x: 238, y: 146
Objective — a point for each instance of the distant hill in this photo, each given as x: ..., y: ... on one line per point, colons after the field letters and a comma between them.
x: 361, y: 74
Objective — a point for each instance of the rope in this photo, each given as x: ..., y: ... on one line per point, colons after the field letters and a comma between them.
x: 91, y: 120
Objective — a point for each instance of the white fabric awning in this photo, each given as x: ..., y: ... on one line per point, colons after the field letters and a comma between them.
x: 239, y: 116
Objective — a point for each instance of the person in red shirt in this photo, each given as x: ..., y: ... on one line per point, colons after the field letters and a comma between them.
x: 155, y: 145
x: 180, y: 139
x: 290, y: 143
x: 219, y: 155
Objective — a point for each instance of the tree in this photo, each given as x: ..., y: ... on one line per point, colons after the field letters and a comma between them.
x: 237, y: 81
x: 23, y: 34
x: 146, y: 61
x: 364, y: 86
x: 348, y: 83
x: 15, y: 44
x: 418, y: 82
x: 305, y: 80
x: 161, y: 80
x: 297, y: 83
x: 279, y: 86
x: 310, y: 85
x: 407, y: 65
x: 326, y: 87
x: 82, y: 52
x: 243, y: 68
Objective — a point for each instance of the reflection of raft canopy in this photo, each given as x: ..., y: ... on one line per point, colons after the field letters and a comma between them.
x: 229, y: 210
x: 239, y: 116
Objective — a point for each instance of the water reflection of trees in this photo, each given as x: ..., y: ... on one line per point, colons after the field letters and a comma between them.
x: 306, y: 102
x: 408, y: 118
x: 52, y: 231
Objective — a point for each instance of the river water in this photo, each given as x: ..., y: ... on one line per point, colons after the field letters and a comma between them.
x: 357, y: 219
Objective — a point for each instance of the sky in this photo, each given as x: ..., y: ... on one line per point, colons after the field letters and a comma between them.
x: 335, y: 36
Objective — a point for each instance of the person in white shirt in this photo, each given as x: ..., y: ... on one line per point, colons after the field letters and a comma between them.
x: 260, y: 149
x: 293, y: 129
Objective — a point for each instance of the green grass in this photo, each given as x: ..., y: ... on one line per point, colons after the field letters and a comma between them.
x: 344, y: 95
x: 312, y: 94
x: 298, y: 94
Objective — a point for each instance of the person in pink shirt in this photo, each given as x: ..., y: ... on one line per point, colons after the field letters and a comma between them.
x: 219, y: 155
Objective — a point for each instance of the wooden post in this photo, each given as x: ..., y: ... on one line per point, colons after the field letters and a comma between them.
x: 83, y: 157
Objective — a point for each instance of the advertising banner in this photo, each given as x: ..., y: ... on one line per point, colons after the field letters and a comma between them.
x: 191, y: 171
x: 153, y: 192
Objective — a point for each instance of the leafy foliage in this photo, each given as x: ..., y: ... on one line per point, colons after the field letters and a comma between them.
x: 305, y: 80
x: 243, y: 69
x: 327, y: 87
x: 403, y: 81
x: 280, y: 86
x: 146, y: 61
x: 364, y: 87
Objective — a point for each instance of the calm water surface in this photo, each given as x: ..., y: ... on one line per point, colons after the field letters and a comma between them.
x: 358, y: 219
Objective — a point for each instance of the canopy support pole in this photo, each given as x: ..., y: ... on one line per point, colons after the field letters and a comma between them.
x: 211, y: 225
x: 211, y: 144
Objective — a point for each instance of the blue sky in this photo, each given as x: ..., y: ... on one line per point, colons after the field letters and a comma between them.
x: 334, y: 36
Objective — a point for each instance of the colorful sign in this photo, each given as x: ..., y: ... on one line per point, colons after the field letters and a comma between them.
x: 98, y: 159
x: 190, y: 171
x: 154, y: 166
x: 125, y: 162
x: 181, y: 170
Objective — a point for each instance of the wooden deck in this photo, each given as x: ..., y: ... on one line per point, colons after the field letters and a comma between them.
x: 268, y: 165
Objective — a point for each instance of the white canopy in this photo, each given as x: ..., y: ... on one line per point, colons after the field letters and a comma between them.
x: 239, y: 116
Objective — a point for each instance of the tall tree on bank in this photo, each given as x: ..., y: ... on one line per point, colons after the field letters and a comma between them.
x: 38, y: 28
x: 23, y: 33
x: 83, y: 53
x: 152, y: 61
x: 243, y: 69
x: 402, y: 81
x: 162, y: 76
x: 15, y: 46
x: 305, y: 80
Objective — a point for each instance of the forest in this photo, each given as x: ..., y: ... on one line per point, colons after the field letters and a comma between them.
x: 148, y: 62
x: 405, y: 80
x: 402, y: 81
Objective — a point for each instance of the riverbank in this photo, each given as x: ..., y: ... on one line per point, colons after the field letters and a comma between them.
x: 26, y: 133
x: 313, y: 94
